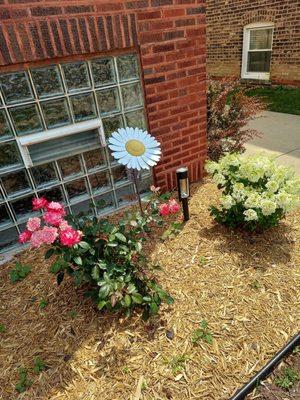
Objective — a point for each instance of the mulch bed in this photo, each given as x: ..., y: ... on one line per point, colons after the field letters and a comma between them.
x: 246, y: 286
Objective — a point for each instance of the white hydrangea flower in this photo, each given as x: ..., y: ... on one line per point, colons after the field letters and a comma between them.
x: 272, y: 186
x: 211, y: 167
x: 268, y: 207
x: 250, y: 215
x: 287, y: 201
x: 253, y: 200
x: 227, y: 202
x: 219, y: 179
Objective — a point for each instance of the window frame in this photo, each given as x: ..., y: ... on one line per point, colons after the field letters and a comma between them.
x: 28, y: 140
x: 245, y: 74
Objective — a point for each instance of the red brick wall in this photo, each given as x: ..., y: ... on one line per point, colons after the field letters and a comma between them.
x: 225, y: 21
x: 169, y: 35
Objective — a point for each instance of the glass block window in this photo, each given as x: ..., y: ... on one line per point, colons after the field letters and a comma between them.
x: 74, y: 169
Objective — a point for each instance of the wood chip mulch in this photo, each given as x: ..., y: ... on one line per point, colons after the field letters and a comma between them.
x: 246, y: 286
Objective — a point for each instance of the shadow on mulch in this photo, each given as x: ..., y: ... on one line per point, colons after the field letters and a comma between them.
x: 252, y: 249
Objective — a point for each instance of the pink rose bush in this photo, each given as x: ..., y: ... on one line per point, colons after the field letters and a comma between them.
x: 51, y: 227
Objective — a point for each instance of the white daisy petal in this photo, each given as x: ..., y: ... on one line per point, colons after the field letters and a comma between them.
x: 116, y: 148
x: 142, y: 163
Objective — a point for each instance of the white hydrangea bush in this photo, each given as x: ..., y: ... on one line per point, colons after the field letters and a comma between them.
x: 257, y: 193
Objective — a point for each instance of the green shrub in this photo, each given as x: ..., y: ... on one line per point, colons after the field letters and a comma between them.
x: 256, y: 192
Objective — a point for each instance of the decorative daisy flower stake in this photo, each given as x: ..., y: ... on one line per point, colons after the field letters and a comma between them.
x: 135, y: 149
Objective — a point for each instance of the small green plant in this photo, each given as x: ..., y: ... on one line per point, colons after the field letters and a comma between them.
x: 19, y: 272
x: 202, y: 260
x: 2, y: 328
x: 39, y: 365
x: 177, y: 363
x: 172, y: 231
x: 43, y: 304
x: 296, y: 350
x: 255, y: 285
x: 24, y: 383
x: 288, y: 379
x: 73, y: 314
x: 202, y: 333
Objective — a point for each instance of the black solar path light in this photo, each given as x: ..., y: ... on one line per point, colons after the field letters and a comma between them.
x: 183, y: 186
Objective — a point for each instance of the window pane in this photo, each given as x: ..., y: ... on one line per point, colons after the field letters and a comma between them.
x: 144, y: 185
x: 16, y: 182
x: 94, y: 159
x: 76, y: 76
x: 47, y: 81
x: 4, y: 125
x: 136, y: 119
x: 84, y: 107
x: 127, y: 67
x: 132, y: 95
x: 261, y: 39
x: 26, y: 119
x: 111, y: 124
x: 259, y: 61
x: 70, y: 166
x: 9, y: 155
x: 76, y: 188
x: 82, y: 207
x: 104, y: 203
x: 103, y: 71
x: 63, y: 147
x: 56, y: 113
x: 4, y: 215
x: 108, y: 101
x: 119, y: 175
x: 16, y: 87
x: 44, y: 174
x: 125, y: 195
x: 8, y: 238
x: 53, y: 194
x: 99, y: 182
x: 22, y: 207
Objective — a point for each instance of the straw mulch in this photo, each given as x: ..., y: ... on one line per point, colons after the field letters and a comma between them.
x: 245, y: 286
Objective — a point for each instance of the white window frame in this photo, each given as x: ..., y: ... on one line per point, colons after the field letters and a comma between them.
x: 26, y: 141
x: 246, y: 44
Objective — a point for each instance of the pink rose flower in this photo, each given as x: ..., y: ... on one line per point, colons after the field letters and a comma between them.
x: 38, y: 204
x: 53, y: 218
x: 49, y: 234
x: 33, y: 224
x: 25, y: 236
x: 164, y: 209
x: 64, y: 225
x: 56, y: 207
x: 69, y: 237
x: 36, y: 239
x: 154, y: 189
x: 46, y: 235
x: 174, y: 206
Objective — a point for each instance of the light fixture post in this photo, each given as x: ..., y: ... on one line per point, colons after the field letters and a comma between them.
x: 183, y: 186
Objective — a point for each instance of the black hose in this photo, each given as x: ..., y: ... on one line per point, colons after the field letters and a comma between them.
x: 266, y: 370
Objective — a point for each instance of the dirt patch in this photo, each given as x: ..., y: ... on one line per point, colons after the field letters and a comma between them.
x: 247, y: 288
x: 283, y: 383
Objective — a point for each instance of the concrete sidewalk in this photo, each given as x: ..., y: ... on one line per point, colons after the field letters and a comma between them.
x: 281, y: 137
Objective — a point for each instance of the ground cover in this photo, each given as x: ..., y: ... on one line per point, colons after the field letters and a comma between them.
x: 236, y: 303
x: 279, y: 98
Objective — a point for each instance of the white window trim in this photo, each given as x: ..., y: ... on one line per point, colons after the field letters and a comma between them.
x: 246, y: 41
x: 25, y: 141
